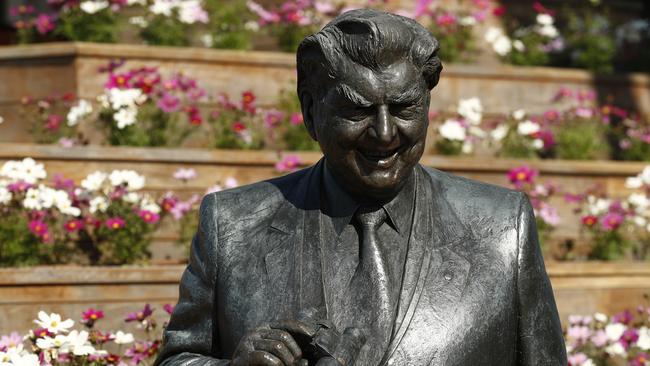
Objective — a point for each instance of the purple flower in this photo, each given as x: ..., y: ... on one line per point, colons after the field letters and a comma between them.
x: 140, y: 315
x: 273, y: 117
x: 549, y: 214
x: 182, y: 207
x: 289, y: 163
x: 45, y: 24
x: 624, y: 317
x: 169, y: 308
x: 611, y: 221
x: 169, y: 103
x: 629, y: 337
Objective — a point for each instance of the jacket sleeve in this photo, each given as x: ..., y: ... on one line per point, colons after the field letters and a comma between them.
x: 540, y: 339
x: 191, y: 335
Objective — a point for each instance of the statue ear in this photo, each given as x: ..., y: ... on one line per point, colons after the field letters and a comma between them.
x: 307, y: 107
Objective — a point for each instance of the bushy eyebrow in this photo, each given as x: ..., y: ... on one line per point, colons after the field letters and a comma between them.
x: 410, y: 96
x: 352, y: 95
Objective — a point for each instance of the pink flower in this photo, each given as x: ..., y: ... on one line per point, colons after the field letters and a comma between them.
x: 115, y: 223
x: 45, y: 23
x: 289, y: 163
x: 562, y: 94
x: 10, y: 341
x: 264, y: 15
x: 296, y: 118
x: 66, y: 142
x: 185, y: 174
x: 599, y: 339
x: 641, y: 359
x: 611, y: 221
x: 589, y: 220
x: 19, y: 186
x: 118, y: 80
x: 148, y: 216
x: 53, y: 122
x: 539, y: 8
x: 446, y: 19
x: 629, y: 337
x: 169, y: 308
x: 21, y: 10
x: 577, y: 359
x: 90, y: 316
x: 73, y: 225
x: 182, y: 207
x: 579, y: 333
x: 520, y: 175
x: 273, y: 117
x: 38, y: 228
x: 421, y: 8
x: 499, y: 11
x: 549, y: 214
x: 169, y: 103
x: 583, y: 112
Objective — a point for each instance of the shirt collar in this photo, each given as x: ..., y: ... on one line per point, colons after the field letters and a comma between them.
x: 340, y: 206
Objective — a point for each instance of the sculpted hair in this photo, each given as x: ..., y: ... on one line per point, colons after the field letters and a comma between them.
x: 371, y: 38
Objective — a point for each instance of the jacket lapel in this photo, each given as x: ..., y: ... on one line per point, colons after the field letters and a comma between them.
x: 293, y: 263
x: 436, y: 261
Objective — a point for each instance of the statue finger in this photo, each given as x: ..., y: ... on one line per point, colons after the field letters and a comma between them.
x: 262, y: 358
x: 284, y: 337
x: 276, y: 348
x: 303, y: 362
x: 296, y: 327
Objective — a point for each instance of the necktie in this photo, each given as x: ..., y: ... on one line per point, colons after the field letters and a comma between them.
x: 368, y: 297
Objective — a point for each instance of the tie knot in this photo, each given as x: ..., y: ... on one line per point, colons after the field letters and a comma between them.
x: 371, y: 217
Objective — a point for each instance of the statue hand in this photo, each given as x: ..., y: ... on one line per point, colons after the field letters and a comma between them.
x: 322, y: 344
x: 268, y: 347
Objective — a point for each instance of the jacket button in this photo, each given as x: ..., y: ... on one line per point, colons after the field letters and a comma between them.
x: 448, y: 276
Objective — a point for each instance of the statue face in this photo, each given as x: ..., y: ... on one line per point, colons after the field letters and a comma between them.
x: 372, y: 127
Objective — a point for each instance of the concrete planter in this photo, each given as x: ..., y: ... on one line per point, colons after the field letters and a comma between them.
x: 40, y: 70
x: 580, y: 288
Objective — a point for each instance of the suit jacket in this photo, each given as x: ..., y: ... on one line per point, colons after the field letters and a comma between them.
x: 475, y: 289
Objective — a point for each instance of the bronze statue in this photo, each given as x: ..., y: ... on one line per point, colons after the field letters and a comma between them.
x: 366, y: 258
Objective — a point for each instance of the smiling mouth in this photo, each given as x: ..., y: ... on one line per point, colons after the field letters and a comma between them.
x: 380, y: 158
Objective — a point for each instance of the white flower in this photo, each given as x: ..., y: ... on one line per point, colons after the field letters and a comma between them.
x: 123, y: 338
x: 92, y: 7
x: 125, y: 98
x: 600, y: 317
x: 589, y: 362
x: 53, y: 322
x: 132, y: 197
x: 616, y: 349
x: 499, y: 132
x: 538, y: 144
x: 640, y: 221
x: 452, y: 130
x: 163, y: 7
x: 519, y: 114
x: 519, y: 45
x: 207, y: 40
x: 633, y: 183
x: 492, y: 34
x: 26, y: 170
x: 467, y: 147
x: 615, y: 331
x: 467, y: 21
x: 252, y: 26
x: 231, y: 182
x: 43, y: 197
x: 548, y: 31
x: 125, y: 117
x: 5, y: 196
x: 27, y: 359
x: 148, y: 204
x: 139, y: 21
x: 1, y: 120
x: 471, y: 109
x: 502, y: 45
x: 136, y: 2
x: 644, y: 339
x: 47, y: 342
x: 80, y: 110
x: 527, y: 128
x: 78, y: 344
x: 597, y: 206
x: 131, y: 179
x: 94, y: 181
x: 98, y: 203
x: 638, y: 200
x: 191, y: 11
x: 544, y: 19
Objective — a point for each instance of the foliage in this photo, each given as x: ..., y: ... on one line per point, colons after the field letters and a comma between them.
x: 140, y: 108
x: 292, y: 21
x: 104, y: 220
x: 77, y: 25
x: 589, y: 40
x: 54, y: 119
x: 162, y: 30
x: 231, y: 25
x: 580, y: 139
x: 58, y: 342
x: 237, y: 125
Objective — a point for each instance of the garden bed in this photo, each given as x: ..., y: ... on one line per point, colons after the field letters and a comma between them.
x: 216, y: 166
x: 580, y: 288
x: 42, y: 70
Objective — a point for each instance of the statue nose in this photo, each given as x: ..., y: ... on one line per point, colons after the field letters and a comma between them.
x: 384, y: 129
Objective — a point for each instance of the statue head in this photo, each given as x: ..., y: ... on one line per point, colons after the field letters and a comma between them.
x: 364, y: 84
